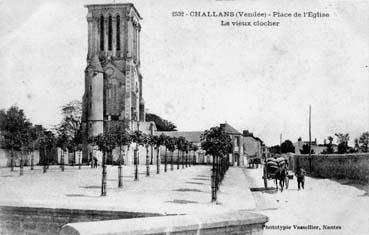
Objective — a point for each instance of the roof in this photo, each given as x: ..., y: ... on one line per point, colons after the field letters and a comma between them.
x: 95, y: 64
x: 192, y: 136
x: 229, y: 129
x: 114, y: 5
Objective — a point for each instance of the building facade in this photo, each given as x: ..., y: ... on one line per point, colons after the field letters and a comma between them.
x: 113, y: 81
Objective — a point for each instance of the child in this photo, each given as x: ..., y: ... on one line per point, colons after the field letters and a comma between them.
x: 300, y: 175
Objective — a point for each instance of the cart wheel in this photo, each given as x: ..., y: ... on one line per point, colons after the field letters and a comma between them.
x: 287, y: 181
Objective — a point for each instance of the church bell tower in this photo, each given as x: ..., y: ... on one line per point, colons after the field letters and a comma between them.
x: 113, y: 81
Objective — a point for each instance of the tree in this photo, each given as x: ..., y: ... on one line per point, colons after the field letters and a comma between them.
x: 158, y: 141
x: 16, y: 131
x: 46, y: 141
x: 166, y: 142
x: 136, y: 137
x: 161, y: 124
x: 305, y: 149
x: 105, y: 142
x: 186, y: 148
x: 287, y: 147
x: 194, y: 149
x: 62, y: 141
x: 180, y: 143
x: 342, y: 140
x: 218, y: 144
x: 146, y: 140
x: 276, y: 149
x: 364, y: 142
x: 171, y: 145
x: 330, y: 149
x: 71, y: 124
x: 122, y: 138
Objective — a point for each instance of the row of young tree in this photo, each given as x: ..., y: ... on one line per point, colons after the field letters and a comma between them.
x: 119, y: 136
x: 20, y: 135
x: 219, y: 145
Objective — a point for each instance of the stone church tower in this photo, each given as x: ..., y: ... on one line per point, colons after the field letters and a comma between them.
x: 113, y: 82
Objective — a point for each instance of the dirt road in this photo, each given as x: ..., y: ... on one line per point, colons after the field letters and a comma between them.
x: 323, y: 207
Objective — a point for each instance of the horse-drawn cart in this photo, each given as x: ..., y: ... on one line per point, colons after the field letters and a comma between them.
x: 277, y: 169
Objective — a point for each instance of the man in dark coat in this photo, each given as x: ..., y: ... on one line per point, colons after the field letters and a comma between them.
x: 300, y: 175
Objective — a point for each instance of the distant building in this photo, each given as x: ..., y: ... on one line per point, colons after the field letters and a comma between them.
x: 243, y: 145
x: 317, y: 148
x: 236, y: 137
x: 252, y: 145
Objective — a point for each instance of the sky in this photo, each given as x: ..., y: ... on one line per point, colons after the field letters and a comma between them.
x: 197, y: 73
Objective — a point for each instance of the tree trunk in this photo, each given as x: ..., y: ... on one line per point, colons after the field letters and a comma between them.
x: 171, y: 160
x: 103, y: 183
x: 32, y: 159
x: 213, y: 187
x: 158, y: 160
x: 182, y: 161
x: 165, y: 160
x: 79, y: 162
x: 12, y: 160
x: 62, y: 160
x: 21, y: 165
x: 44, y: 161
x: 147, y: 161
x: 177, y: 159
x: 120, y: 177
x: 136, y: 162
x: 152, y: 155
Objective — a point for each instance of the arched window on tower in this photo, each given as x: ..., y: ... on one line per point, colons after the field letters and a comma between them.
x: 118, y: 33
x: 110, y: 33
x: 101, y: 33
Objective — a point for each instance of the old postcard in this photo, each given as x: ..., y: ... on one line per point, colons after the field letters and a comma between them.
x: 184, y: 117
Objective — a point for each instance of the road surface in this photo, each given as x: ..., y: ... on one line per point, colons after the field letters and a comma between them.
x: 323, y: 207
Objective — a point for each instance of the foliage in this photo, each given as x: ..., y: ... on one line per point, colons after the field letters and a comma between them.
x: 329, y: 149
x: 121, y: 135
x: 287, y: 147
x: 276, y: 149
x: 342, y: 140
x: 161, y: 124
x: 71, y: 123
x: 16, y: 129
x: 170, y: 143
x: 137, y: 137
x: 105, y: 142
x: 364, y: 142
x: 216, y: 142
x: 180, y: 142
x: 305, y: 149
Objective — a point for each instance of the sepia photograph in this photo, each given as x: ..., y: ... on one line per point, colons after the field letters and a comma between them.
x: 184, y: 117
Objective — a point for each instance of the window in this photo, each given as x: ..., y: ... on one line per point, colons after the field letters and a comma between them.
x: 118, y: 33
x: 110, y: 33
x: 101, y: 33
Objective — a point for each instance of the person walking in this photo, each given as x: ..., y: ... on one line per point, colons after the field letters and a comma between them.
x: 300, y: 175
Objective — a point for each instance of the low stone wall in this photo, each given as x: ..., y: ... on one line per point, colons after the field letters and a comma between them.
x: 5, y: 158
x: 240, y: 222
x: 31, y: 220
x: 351, y: 166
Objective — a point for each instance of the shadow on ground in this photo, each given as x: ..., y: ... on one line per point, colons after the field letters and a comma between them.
x: 194, y: 183
x: 75, y: 195
x: 91, y: 187
x: 198, y: 178
x: 187, y: 190
x: 182, y: 201
x: 354, y: 183
x: 270, y: 190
